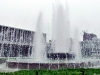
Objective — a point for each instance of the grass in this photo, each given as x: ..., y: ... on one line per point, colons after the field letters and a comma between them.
x: 89, y: 71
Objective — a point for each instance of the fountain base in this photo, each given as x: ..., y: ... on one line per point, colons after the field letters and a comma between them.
x: 25, y: 65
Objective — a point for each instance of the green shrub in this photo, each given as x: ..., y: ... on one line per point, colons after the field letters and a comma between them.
x: 89, y: 71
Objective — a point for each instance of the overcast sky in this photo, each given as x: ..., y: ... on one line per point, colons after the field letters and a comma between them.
x: 84, y: 14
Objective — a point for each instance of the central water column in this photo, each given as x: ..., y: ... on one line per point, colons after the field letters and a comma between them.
x: 61, y: 29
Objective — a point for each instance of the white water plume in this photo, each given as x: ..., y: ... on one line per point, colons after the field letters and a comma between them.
x: 60, y: 28
x: 38, y: 41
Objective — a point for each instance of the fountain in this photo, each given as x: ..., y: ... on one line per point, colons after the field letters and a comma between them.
x: 76, y: 46
x: 61, y: 41
x: 39, y: 41
x: 61, y: 32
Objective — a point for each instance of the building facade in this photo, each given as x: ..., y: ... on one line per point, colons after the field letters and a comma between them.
x: 16, y: 42
x: 90, y: 46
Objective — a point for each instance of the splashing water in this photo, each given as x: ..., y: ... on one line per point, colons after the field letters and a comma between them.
x: 38, y: 41
x: 61, y: 29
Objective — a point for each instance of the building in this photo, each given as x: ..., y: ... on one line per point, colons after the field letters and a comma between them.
x: 89, y: 36
x: 90, y: 46
x: 16, y: 42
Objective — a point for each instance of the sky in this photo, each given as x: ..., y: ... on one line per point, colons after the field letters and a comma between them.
x: 83, y: 14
